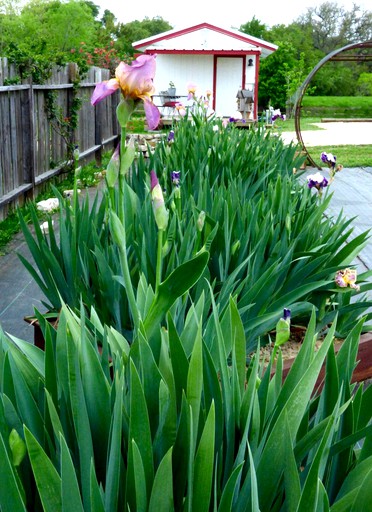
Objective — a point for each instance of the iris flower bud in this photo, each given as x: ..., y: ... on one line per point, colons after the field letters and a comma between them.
x: 283, y: 328
x: 160, y: 212
x: 201, y: 220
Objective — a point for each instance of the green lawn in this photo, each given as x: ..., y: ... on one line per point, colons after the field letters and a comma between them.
x: 306, y: 123
x: 337, y: 106
x: 345, y: 102
x: 348, y: 156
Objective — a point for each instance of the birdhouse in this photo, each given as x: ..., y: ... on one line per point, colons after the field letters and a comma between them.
x: 245, y: 103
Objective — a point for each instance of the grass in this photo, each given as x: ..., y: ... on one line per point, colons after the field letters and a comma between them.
x: 338, y: 101
x: 348, y: 156
x: 337, y: 106
x: 307, y: 123
x: 136, y: 125
x: 137, y: 121
x: 8, y: 228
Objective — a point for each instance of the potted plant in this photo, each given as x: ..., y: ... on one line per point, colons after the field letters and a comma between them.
x: 171, y: 89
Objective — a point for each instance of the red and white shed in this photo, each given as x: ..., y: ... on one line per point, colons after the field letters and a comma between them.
x: 221, y: 60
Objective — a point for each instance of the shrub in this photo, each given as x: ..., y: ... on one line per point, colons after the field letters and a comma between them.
x: 365, y: 84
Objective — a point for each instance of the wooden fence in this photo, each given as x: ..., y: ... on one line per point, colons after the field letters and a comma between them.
x: 31, y: 149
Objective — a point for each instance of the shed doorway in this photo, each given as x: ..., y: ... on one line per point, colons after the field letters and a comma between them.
x: 229, y: 73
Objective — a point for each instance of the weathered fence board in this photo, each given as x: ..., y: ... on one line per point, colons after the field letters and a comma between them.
x: 32, y: 150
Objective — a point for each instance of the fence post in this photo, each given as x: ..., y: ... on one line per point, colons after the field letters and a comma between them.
x: 29, y: 142
x: 98, y: 121
x: 71, y: 94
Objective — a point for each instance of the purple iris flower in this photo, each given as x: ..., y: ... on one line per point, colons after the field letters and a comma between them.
x: 135, y: 81
x: 328, y: 159
x: 317, y: 181
x: 286, y: 314
x: 171, y: 136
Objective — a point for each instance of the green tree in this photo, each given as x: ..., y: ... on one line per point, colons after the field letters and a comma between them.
x: 332, y: 26
x: 304, y: 43
x: 300, y: 38
x: 60, y: 25
x: 93, y: 7
x: 254, y: 28
x: 108, y: 24
x: 365, y: 84
x: 280, y: 75
x: 9, y: 12
x: 136, y: 30
x: 44, y: 33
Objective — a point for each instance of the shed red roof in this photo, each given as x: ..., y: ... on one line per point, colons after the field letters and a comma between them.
x: 205, y: 38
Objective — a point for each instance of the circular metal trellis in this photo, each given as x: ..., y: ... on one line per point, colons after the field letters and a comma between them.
x: 335, y: 56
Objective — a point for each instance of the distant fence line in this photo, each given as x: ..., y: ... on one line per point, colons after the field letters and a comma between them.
x: 31, y: 151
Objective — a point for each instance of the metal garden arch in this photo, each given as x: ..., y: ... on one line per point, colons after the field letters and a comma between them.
x: 335, y: 55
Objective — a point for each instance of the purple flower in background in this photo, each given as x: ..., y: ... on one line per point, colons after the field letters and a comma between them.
x: 191, y: 88
x: 180, y: 107
x: 286, y: 314
x: 317, y: 181
x: 328, y: 159
x: 278, y: 116
x: 171, y: 136
x: 175, y: 177
x: 236, y: 120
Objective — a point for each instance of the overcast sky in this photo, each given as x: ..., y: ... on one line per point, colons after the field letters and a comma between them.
x: 227, y: 14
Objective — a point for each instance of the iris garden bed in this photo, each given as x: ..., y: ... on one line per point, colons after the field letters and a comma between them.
x: 150, y: 393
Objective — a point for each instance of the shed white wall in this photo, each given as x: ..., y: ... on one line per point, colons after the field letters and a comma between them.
x: 250, y: 74
x: 182, y: 69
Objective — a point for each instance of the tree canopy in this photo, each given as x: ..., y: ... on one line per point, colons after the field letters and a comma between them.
x: 136, y: 30
x: 44, y: 33
x: 303, y: 43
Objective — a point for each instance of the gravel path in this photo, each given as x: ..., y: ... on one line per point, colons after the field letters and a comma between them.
x: 334, y: 134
